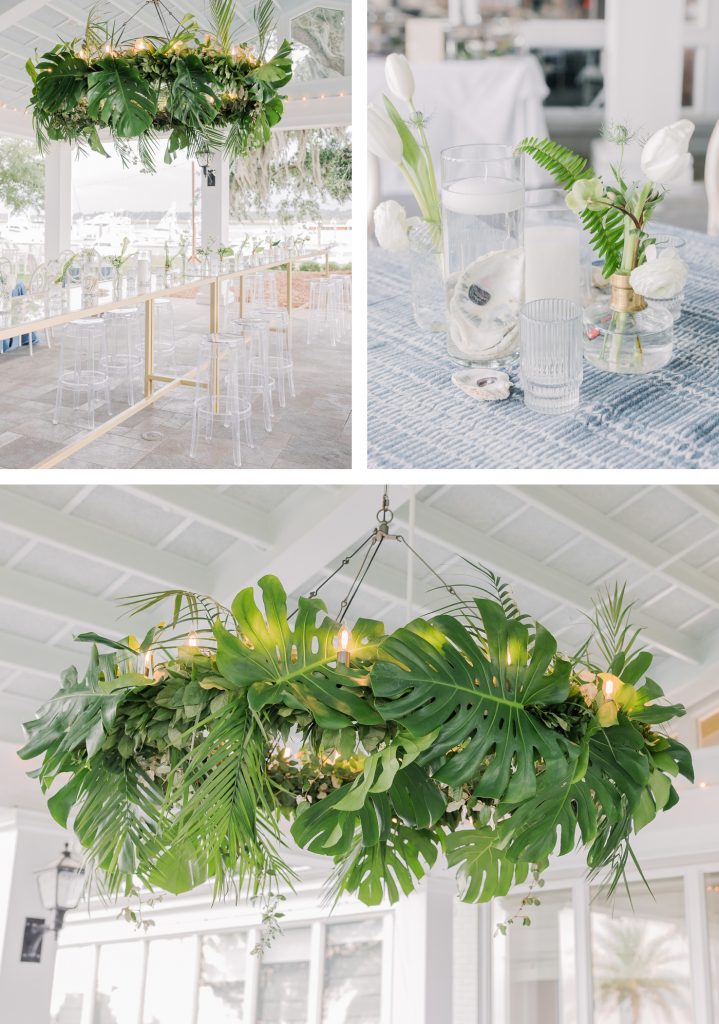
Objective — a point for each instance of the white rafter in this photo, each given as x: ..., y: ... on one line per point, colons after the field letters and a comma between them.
x: 243, y: 522
x: 566, y: 507
x: 464, y: 540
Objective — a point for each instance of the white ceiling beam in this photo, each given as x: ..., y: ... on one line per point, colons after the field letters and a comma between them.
x: 64, y: 603
x: 442, y: 529
x: 560, y: 504
x: 34, y: 519
x: 703, y: 499
x: 316, y: 531
x: 33, y: 656
x: 207, y: 506
x: 13, y: 12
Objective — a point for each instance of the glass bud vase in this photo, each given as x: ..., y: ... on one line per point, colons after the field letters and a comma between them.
x: 429, y: 303
x: 624, y: 335
x: 482, y: 221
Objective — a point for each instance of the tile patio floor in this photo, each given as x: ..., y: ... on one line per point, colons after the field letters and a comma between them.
x: 313, y: 431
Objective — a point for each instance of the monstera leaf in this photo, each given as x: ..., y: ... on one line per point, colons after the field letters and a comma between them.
x: 59, y: 81
x: 388, y: 868
x: 436, y: 677
x: 485, y: 870
x: 194, y: 94
x: 296, y: 665
x: 121, y: 98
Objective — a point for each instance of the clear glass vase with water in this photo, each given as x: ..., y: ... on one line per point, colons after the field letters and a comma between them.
x: 482, y: 211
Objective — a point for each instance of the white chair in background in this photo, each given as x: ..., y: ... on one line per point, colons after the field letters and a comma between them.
x: 711, y: 181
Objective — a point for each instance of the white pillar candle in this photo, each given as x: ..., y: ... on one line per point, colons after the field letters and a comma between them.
x: 483, y: 197
x: 552, y: 263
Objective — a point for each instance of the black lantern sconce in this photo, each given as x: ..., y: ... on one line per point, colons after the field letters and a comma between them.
x: 60, y: 885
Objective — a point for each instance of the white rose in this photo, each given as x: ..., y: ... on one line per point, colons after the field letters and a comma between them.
x: 391, y: 225
x: 666, y: 157
x: 382, y: 137
x: 662, y: 276
x: 400, y: 79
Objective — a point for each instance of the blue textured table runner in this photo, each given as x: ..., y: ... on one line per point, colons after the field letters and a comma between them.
x: 665, y: 420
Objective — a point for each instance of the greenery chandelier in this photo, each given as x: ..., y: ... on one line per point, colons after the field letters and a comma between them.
x: 466, y: 734
x: 205, y: 90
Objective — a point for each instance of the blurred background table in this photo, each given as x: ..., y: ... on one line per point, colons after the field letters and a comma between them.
x: 494, y: 100
x: 666, y: 420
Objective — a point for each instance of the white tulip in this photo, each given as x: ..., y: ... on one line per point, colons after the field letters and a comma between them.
x: 663, y: 276
x: 382, y: 137
x: 391, y: 226
x: 665, y: 157
x: 400, y: 80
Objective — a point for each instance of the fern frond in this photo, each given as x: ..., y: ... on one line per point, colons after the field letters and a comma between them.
x: 606, y: 228
x: 563, y: 164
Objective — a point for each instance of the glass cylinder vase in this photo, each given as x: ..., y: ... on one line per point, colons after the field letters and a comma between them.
x: 624, y: 335
x: 553, y: 266
x: 482, y: 214
x: 429, y: 303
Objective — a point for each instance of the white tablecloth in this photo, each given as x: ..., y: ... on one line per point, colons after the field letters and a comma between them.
x: 470, y: 101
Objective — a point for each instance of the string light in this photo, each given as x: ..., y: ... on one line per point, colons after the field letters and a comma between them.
x: 192, y: 640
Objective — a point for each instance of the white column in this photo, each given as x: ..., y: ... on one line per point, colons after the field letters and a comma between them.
x: 216, y: 201
x: 422, y: 955
x: 643, y: 69
x: 28, y: 841
x: 58, y: 199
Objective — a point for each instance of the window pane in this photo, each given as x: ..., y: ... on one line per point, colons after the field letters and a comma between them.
x: 170, y: 981
x: 222, y: 978
x: 641, y: 956
x: 319, y: 38
x: 119, y: 973
x: 284, y: 979
x: 539, y: 975
x: 353, y: 973
x: 565, y: 8
x: 712, y: 882
x: 73, y: 974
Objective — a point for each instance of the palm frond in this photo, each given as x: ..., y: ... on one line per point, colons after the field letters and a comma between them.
x: 222, y: 17
x: 264, y: 16
x: 612, y: 628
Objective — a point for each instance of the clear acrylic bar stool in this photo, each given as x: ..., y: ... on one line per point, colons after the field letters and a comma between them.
x: 280, y: 345
x: 325, y: 309
x: 262, y: 289
x: 219, y: 407
x: 124, y: 354
x: 83, y: 367
x: 164, y: 331
x: 254, y: 363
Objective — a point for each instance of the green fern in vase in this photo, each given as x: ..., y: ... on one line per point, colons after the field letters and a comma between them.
x: 616, y: 212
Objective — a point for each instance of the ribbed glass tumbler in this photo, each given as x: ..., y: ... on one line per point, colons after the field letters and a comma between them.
x: 551, y: 355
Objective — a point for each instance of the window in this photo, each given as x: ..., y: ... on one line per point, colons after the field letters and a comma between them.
x: 284, y: 979
x: 222, y: 978
x: 119, y: 977
x: 538, y: 972
x: 709, y: 730
x: 319, y: 38
x: 712, y: 887
x: 641, y: 956
x: 70, y: 984
x: 353, y: 973
x: 170, y: 981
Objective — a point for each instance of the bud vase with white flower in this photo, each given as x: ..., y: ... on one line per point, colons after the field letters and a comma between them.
x: 404, y: 143
x: 623, y: 334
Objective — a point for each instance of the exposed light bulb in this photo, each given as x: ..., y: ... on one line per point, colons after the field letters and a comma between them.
x: 608, y: 689
x: 149, y: 664
x: 192, y: 640
x: 509, y: 657
x: 343, y: 657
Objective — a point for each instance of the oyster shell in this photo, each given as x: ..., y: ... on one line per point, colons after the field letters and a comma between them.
x: 487, y: 385
x: 484, y: 304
